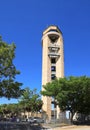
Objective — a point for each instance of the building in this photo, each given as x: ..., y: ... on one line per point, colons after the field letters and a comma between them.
x: 52, y: 62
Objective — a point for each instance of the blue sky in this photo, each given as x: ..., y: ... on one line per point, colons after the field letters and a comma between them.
x: 23, y: 21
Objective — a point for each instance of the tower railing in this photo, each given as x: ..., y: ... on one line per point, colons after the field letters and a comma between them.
x: 53, y: 54
x: 54, y: 45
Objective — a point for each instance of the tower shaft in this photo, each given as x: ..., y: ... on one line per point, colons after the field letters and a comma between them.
x: 52, y: 61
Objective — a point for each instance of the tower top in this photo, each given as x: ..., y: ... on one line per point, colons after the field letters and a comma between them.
x: 52, y: 28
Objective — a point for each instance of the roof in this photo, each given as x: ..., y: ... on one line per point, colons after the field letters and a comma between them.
x: 52, y: 27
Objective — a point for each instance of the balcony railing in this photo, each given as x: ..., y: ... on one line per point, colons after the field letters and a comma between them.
x: 53, y: 72
x: 53, y: 54
x: 54, y: 46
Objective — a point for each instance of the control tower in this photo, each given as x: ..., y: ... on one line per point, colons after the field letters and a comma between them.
x: 52, y: 63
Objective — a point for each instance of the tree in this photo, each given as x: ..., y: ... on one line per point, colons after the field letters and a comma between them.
x: 9, y: 110
x: 30, y: 101
x: 71, y: 93
x: 9, y: 87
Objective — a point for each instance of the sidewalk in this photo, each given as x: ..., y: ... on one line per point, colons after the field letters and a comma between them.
x: 55, y: 126
x: 62, y: 128
x: 73, y: 127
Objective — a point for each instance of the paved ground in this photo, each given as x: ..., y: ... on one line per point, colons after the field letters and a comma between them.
x: 19, y: 126
x: 72, y: 128
x: 22, y: 126
x: 27, y: 126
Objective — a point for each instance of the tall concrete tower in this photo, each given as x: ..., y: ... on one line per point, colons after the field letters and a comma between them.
x: 52, y: 61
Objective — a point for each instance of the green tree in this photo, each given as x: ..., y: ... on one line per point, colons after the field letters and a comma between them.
x: 30, y: 101
x: 9, y: 87
x: 9, y: 110
x: 71, y: 93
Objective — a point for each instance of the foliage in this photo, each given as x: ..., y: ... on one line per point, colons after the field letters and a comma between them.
x: 11, y: 109
x: 9, y: 88
x: 30, y: 101
x: 71, y: 93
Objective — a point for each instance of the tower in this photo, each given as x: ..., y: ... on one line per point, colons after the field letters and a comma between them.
x: 52, y: 61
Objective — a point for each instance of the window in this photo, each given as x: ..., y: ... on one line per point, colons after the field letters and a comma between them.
x: 53, y: 76
x: 53, y: 68
x: 53, y: 38
x: 53, y: 60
